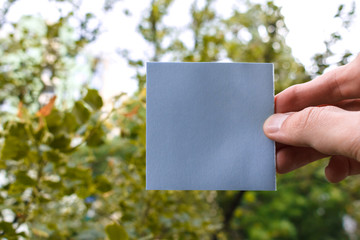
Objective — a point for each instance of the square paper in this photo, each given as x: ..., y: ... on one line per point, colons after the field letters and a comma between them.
x: 204, y: 126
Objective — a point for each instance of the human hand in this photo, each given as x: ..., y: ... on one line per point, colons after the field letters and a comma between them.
x: 317, y: 119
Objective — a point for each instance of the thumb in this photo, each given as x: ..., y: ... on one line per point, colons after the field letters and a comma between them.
x: 329, y: 130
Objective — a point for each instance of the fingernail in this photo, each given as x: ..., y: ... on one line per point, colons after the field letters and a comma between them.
x: 274, y: 122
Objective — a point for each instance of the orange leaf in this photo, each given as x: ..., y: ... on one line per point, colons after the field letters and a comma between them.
x: 132, y: 112
x: 41, y: 123
x: 46, y: 110
x: 20, y: 106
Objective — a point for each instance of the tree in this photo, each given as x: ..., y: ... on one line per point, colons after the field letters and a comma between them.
x: 37, y: 141
x: 321, y: 59
x: 38, y: 56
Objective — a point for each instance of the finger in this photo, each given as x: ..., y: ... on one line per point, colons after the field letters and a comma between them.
x: 329, y: 130
x: 339, y: 84
x: 291, y: 158
x: 349, y: 104
x: 337, y: 169
x: 280, y: 146
x: 340, y: 167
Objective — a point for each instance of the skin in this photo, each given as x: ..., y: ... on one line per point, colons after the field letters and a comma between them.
x: 317, y: 119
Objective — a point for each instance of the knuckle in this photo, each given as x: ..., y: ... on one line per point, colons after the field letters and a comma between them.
x: 310, y: 115
x: 307, y: 123
x: 354, y: 148
x: 354, y: 142
x: 348, y: 135
x: 334, y: 84
x: 306, y: 119
x: 295, y: 94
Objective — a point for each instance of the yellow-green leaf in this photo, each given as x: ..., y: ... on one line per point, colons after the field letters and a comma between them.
x: 81, y: 113
x: 93, y: 99
x: 14, y: 148
x: 115, y: 231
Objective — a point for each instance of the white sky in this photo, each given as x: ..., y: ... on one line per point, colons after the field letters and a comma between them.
x: 309, y: 22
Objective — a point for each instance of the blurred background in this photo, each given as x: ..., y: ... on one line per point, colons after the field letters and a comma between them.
x: 73, y: 106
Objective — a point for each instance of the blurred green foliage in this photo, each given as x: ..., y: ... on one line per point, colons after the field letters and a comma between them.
x: 78, y: 172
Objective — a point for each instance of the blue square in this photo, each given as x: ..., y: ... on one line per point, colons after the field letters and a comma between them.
x: 204, y: 126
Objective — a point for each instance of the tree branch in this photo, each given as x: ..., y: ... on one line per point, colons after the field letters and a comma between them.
x: 229, y: 212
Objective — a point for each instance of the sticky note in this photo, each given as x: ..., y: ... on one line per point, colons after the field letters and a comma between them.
x: 204, y: 126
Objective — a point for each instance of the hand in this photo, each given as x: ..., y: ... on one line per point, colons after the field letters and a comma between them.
x: 317, y: 119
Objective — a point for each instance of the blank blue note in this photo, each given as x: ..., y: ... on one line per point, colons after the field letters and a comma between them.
x: 204, y: 126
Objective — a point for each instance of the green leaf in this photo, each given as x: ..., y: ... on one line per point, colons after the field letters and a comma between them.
x: 95, y: 137
x: 89, y: 15
x: 115, y: 231
x: 61, y: 142
x: 93, y: 99
x: 78, y: 173
x: 70, y: 122
x: 17, y: 129
x: 53, y: 185
x: 14, y: 148
x: 7, y: 230
x: 39, y: 134
x: 81, y: 113
x: 52, y: 156
x: 32, y: 157
x: 340, y: 8
x: 24, y: 179
x: 103, y: 184
x: 54, y: 119
x: 82, y: 191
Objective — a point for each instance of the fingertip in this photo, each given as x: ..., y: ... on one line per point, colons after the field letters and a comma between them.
x: 289, y: 158
x: 275, y: 98
x: 273, y: 124
x: 332, y: 176
x: 284, y: 161
x: 337, y: 169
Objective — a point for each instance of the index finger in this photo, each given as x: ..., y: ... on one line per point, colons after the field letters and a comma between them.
x: 339, y: 84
